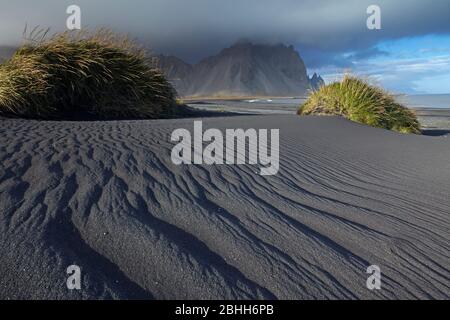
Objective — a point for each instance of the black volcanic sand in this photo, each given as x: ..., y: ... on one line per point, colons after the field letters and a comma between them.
x: 106, y: 196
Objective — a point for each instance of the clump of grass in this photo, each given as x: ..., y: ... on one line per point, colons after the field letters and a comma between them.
x: 98, y: 73
x: 357, y: 100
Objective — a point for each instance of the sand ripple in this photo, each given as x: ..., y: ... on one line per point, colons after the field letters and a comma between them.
x: 105, y: 196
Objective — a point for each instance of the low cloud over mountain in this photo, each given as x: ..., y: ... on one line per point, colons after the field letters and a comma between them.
x: 244, y: 69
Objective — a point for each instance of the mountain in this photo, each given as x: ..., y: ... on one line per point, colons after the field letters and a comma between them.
x: 176, y: 70
x: 244, y: 69
x: 316, y: 82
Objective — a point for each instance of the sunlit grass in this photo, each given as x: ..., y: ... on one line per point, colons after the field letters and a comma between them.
x: 357, y: 100
x: 98, y: 73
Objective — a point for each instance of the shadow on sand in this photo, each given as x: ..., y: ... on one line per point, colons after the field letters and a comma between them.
x: 436, y: 132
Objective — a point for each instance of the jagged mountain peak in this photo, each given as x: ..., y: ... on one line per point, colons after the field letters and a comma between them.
x: 316, y: 81
x: 243, y: 69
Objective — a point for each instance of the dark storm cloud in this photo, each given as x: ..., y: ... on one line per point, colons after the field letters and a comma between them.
x: 316, y: 58
x: 322, y: 30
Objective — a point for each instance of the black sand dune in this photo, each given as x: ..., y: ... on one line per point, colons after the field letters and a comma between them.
x: 106, y: 196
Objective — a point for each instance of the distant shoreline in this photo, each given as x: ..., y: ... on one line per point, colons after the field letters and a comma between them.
x: 243, y: 98
x: 429, y: 117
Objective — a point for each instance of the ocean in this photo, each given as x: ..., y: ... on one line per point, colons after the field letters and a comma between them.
x: 433, y: 111
x: 433, y: 101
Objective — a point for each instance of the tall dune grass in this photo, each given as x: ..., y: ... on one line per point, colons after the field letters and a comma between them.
x: 357, y: 100
x: 95, y: 73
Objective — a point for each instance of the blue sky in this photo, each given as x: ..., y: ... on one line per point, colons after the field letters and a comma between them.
x: 410, y: 65
x: 410, y: 54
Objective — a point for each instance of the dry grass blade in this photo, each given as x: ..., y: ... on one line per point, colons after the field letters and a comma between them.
x: 96, y: 73
x: 359, y: 101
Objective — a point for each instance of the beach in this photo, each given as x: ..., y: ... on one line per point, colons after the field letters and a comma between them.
x: 105, y: 195
x: 433, y: 111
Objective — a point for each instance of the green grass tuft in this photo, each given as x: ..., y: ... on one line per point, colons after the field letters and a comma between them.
x: 69, y: 74
x: 357, y: 100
